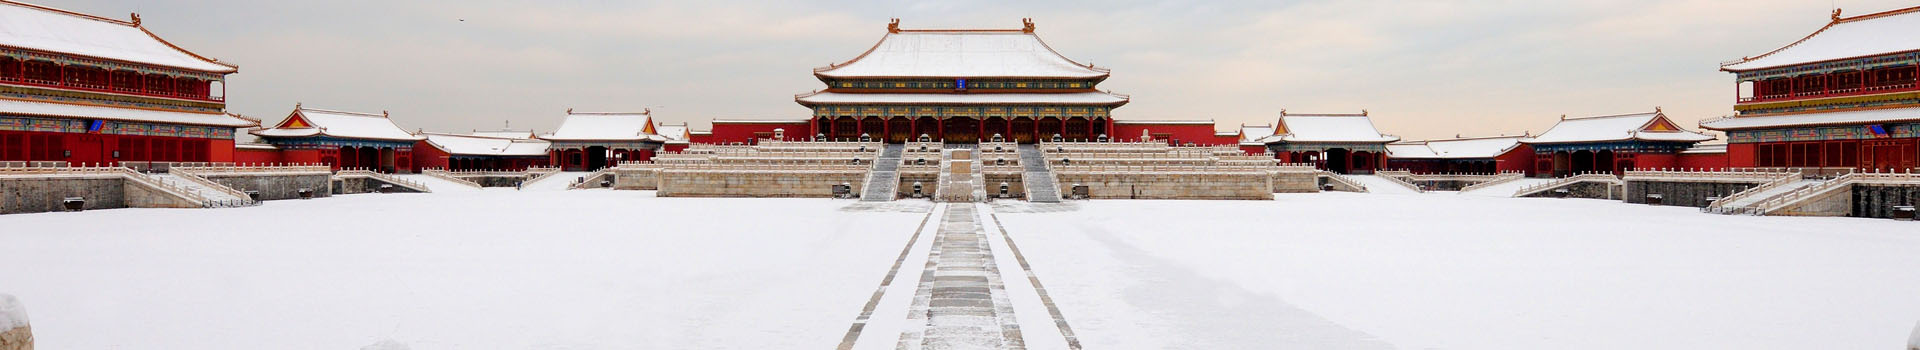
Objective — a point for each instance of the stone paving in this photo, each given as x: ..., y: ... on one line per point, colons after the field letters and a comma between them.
x: 961, y: 302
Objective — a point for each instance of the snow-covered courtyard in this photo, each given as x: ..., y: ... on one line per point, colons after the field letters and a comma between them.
x: 598, y: 269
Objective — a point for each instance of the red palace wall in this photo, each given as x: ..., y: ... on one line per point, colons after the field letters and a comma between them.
x: 724, y: 133
x: 1740, y: 155
x: 425, y: 156
x: 1254, y: 150
x: 1199, y: 134
x: 674, y: 147
x: 85, y: 149
x: 1520, y: 159
x: 1656, y: 161
x: 257, y: 156
x: 1703, y: 160
x: 701, y: 138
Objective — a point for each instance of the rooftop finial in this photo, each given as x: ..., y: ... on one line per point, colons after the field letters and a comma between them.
x: 1026, y: 25
x: 136, y: 19
x: 383, y: 113
x: 647, y: 111
x: 1283, y: 112
x: 296, y: 105
x: 1656, y: 109
x: 1836, y: 15
x: 893, y: 26
x: 1363, y: 111
x: 569, y: 110
x: 1563, y: 117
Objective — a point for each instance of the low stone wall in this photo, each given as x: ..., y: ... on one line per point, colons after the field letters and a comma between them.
x: 1295, y: 182
x: 357, y: 185
x: 494, y: 180
x: 699, y: 183
x: 1685, y: 194
x: 1589, y: 190
x: 929, y: 184
x: 1244, y: 185
x: 277, y: 186
x: 636, y: 179
x: 1016, y: 186
x: 45, y: 193
x: 1878, y: 201
x: 1443, y: 185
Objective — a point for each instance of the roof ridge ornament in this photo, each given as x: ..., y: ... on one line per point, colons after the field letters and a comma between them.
x: 893, y: 26
x: 1836, y: 16
x: 136, y: 19
x: 1363, y: 112
x: 383, y: 113
x: 1026, y: 25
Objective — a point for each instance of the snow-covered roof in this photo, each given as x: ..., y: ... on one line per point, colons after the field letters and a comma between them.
x: 1074, y: 98
x: 965, y: 53
x: 36, y: 27
x: 510, y: 134
x: 64, y: 110
x: 605, y: 126
x: 258, y: 146
x: 673, y: 133
x: 1251, y: 134
x: 487, y: 146
x: 1463, y: 148
x: 1844, y: 38
x: 1327, y: 128
x: 1652, y: 126
x: 1869, y: 116
x: 1706, y: 149
x: 304, y: 122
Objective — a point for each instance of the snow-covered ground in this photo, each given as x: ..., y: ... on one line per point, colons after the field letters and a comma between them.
x: 493, y: 269
x: 1347, y: 270
x: 499, y: 268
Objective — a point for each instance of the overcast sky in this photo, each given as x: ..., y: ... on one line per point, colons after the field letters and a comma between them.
x: 1430, y: 69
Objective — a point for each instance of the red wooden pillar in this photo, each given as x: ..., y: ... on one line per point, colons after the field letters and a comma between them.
x: 940, y: 127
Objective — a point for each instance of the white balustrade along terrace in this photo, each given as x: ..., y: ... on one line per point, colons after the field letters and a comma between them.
x: 1841, y: 183
x: 1503, y: 177
x: 232, y: 195
x: 1570, y: 180
x: 396, y: 181
x: 443, y: 174
x: 179, y: 191
x: 1780, y: 180
x: 1343, y: 180
x: 1754, y: 175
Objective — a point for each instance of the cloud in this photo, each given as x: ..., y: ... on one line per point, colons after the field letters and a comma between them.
x: 1424, y: 69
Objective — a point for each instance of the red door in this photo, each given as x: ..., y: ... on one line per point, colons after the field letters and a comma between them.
x: 87, y: 150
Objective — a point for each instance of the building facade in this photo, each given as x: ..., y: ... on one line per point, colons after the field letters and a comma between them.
x: 588, y: 141
x: 1844, y: 96
x: 342, y: 140
x: 82, y: 89
x: 1611, y: 143
x: 1341, y: 143
x: 960, y: 86
x: 1475, y: 155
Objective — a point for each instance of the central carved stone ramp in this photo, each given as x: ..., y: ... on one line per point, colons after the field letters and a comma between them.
x: 885, y: 176
x: 961, y: 302
x: 1038, y: 179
